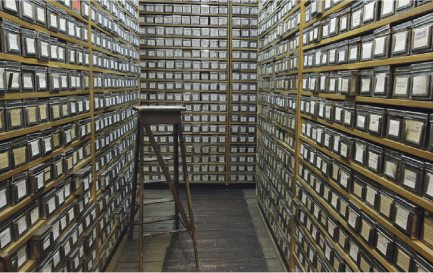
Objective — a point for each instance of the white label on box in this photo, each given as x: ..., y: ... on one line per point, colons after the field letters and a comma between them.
x: 5, y: 237
x: 390, y: 168
x: 379, y: 45
x: 34, y: 215
x: 371, y: 195
x: 356, y: 18
x: 394, y: 128
x: 13, y: 41
x: 354, y: 251
x: 429, y: 184
x: 373, y: 160
x: 55, y: 230
x: 22, y: 225
x: 380, y: 83
x: 42, y: 81
x: 344, y: 178
x: 30, y: 45
x: 35, y: 147
x: 3, y: 198
x: 21, y: 188
x: 420, y: 85
x: 51, y: 205
x: 347, y: 117
x: 374, y: 123
x: 369, y: 11
x: 387, y: 7
x: 2, y: 76
x: 12, y: 5
x: 414, y: 130
x: 15, y: 80
x: 63, y: 222
x: 401, y: 217
x: 40, y: 14
x: 27, y: 81
x: 343, y: 149
x: 343, y: 23
x: 421, y: 37
x: 409, y: 178
x: 22, y: 256
x: 382, y: 243
x: 401, y: 85
x: 44, y: 49
x: 403, y: 3
x: 332, y: 25
x: 366, y: 50
x: 400, y: 40
x: 47, y: 142
x: 365, y: 85
x: 352, y: 218
x: 53, y: 20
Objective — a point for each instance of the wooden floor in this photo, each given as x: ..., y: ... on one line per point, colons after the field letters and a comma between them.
x: 230, y: 231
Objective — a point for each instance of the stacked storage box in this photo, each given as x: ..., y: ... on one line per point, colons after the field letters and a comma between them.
x: 64, y: 188
x: 277, y: 100
x: 243, y: 91
x: 186, y: 59
x: 363, y: 134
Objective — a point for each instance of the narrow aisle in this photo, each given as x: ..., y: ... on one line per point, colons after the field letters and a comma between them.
x: 231, y: 237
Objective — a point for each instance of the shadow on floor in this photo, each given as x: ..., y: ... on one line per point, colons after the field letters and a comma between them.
x: 230, y: 231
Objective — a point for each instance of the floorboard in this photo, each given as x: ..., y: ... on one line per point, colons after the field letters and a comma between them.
x: 230, y: 232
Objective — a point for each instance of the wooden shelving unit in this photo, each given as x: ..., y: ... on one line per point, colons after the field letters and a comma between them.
x: 79, y: 201
x: 270, y: 131
x: 229, y: 81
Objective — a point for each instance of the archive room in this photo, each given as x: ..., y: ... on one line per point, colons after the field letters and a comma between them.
x: 216, y: 135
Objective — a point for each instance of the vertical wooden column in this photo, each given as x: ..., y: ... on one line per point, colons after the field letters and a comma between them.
x: 229, y: 91
x: 298, y: 122
x: 92, y: 118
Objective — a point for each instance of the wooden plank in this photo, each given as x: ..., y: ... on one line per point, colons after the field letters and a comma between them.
x: 40, y: 127
x: 378, y: 179
x: 374, y: 100
x: 379, y: 140
x: 16, y: 58
x: 399, y: 17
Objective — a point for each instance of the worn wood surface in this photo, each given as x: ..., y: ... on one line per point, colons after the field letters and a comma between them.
x: 231, y: 236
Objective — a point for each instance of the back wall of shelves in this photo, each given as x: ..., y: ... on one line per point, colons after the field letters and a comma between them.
x: 203, y: 55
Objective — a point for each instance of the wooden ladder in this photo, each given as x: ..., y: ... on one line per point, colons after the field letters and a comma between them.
x: 154, y: 115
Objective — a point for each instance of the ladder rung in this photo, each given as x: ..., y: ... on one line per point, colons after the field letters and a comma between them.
x: 157, y: 201
x: 157, y: 219
x: 154, y: 159
x: 164, y: 232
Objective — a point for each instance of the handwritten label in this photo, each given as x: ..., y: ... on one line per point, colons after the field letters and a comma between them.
x: 410, y: 178
x: 421, y: 37
x: 371, y: 196
x: 374, y: 122
x: 5, y: 237
x: 382, y: 243
x: 401, y: 217
x: 373, y: 160
x: 414, y: 130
